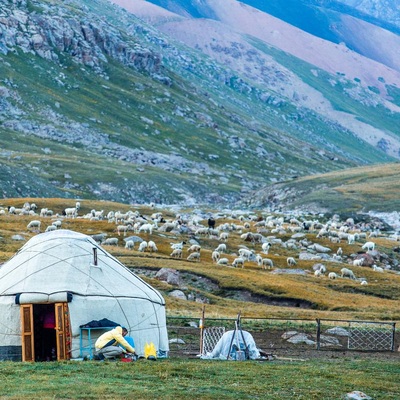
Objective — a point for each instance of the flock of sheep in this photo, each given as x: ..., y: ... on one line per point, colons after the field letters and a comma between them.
x: 256, y: 236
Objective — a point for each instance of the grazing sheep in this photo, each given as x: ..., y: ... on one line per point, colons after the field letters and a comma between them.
x: 339, y: 251
x: 239, y: 261
x: 194, y: 256
x: 130, y: 244
x: 291, y: 262
x: 224, y: 236
x: 57, y: 223
x: 318, y: 273
x: 221, y: 248
x: 377, y: 269
x: 177, y: 245
x: 143, y: 246
x: 215, y: 256
x: 111, y: 241
x: 223, y: 261
x: 369, y: 246
x: 194, y: 248
x: 146, y: 228
x: 265, y: 247
x: 51, y: 228
x: 151, y: 246
x: 332, y: 275
x: 35, y: 224
x: 259, y: 260
x: 267, y: 263
x: 176, y: 253
x: 347, y: 273
x: 359, y: 262
x: 71, y: 212
x: 123, y: 229
x: 246, y: 254
x: 364, y: 283
x: 351, y: 238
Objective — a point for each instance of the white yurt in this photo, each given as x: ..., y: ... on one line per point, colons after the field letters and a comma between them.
x: 61, y: 290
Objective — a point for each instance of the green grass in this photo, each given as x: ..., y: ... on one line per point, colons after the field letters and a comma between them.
x: 182, y: 379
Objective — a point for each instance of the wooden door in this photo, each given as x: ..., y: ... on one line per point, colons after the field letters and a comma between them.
x: 61, y: 334
x: 27, y: 332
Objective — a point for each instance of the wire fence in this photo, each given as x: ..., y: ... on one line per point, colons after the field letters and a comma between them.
x: 190, y: 337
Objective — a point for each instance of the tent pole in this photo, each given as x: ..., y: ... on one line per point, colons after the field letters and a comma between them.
x: 202, y: 330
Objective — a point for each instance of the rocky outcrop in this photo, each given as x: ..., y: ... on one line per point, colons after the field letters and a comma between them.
x: 51, y: 31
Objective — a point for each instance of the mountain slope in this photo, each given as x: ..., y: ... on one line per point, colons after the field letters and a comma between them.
x: 96, y: 103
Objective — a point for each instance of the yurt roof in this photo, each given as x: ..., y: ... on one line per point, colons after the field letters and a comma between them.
x: 64, y: 261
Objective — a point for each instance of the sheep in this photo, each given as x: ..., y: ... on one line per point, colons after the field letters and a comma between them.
x: 223, y: 261
x: 364, y: 282
x: 151, y: 246
x: 194, y: 248
x: 332, y: 275
x: 51, y: 228
x: 265, y: 247
x: 339, y: 251
x: 146, y: 228
x: 377, y: 269
x: 194, y: 256
x: 177, y: 245
x: 359, y: 262
x: 129, y: 244
x: 246, y: 254
x: 142, y: 246
x: 215, y: 256
x: 238, y: 261
x: 259, y: 260
x: 71, y: 212
x: 35, y: 224
x: 57, y: 223
x: 221, y: 248
x: 267, y: 263
x: 223, y: 236
x: 291, y: 261
x: 111, y: 241
x: 369, y: 246
x: 124, y: 229
x: 345, y: 272
x: 351, y: 239
x: 176, y: 253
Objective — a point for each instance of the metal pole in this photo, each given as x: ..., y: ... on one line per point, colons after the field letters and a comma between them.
x: 202, y: 330
x: 318, y: 333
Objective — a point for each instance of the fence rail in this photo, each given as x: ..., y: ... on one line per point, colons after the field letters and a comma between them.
x: 274, y: 335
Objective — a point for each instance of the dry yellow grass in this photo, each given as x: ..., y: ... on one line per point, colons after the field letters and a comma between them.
x: 340, y: 299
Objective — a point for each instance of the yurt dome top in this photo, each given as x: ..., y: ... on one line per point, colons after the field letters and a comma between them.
x: 68, y: 261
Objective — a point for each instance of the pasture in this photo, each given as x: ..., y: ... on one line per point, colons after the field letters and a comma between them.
x: 280, y: 292
x: 183, y: 379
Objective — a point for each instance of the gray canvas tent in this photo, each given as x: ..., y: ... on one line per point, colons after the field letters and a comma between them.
x: 70, y: 276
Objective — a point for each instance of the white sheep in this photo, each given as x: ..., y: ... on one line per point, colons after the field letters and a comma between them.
x: 35, y: 224
x: 146, y: 228
x: 143, y: 246
x: 239, y: 261
x: 223, y: 261
x: 71, y: 212
x: 223, y: 236
x: 332, y: 275
x: 265, y: 247
x: 123, y: 229
x: 267, y: 263
x: 351, y: 238
x: 51, y: 228
x: 259, y: 260
x: 177, y: 245
x: 194, y: 248
x: 291, y: 261
x: 57, y: 223
x: 369, y: 246
x: 363, y: 282
x: 346, y: 272
x: 339, y: 251
x: 377, y: 269
x: 215, y: 256
x: 176, y: 253
x: 194, y: 256
x: 111, y: 241
x: 151, y: 246
x: 221, y: 248
x: 130, y: 244
x: 317, y: 273
x: 359, y: 262
x: 246, y: 254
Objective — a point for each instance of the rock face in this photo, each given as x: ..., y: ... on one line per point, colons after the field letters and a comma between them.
x: 89, y: 41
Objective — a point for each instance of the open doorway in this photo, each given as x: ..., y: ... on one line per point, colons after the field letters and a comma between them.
x: 45, y: 332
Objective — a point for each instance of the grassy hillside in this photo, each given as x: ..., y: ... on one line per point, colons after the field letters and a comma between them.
x: 355, y: 190
x: 252, y: 289
x: 192, y: 131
